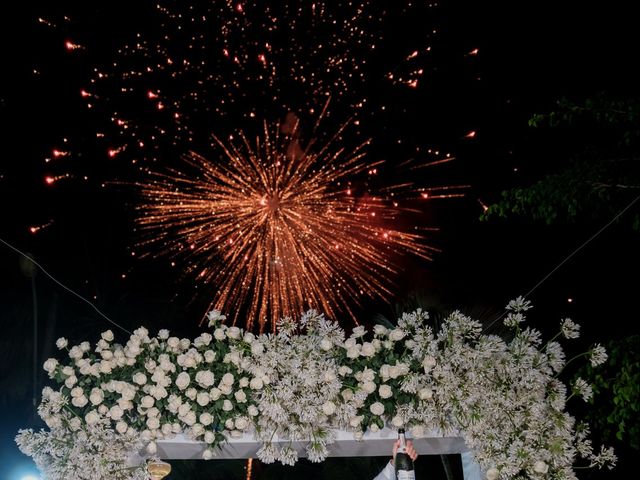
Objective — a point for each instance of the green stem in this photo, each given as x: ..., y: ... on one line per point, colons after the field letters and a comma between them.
x: 574, y: 358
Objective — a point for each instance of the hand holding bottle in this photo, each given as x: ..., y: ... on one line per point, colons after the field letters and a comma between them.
x: 410, y: 450
x: 404, y: 456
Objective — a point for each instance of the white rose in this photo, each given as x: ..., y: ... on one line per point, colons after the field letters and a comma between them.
x: 77, y: 392
x: 140, y: 378
x: 191, y: 393
x: 227, y: 379
x: 353, y: 352
x: 253, y: 410
x: 70, y: 381
x: 197, y: 430
x: 394, y: 371
x: 249, y: 337
x: 350, y: 343
x: 121, y: 427
x: 227, y: 406
x: 344, y: 370
x: 206, y: 418
x: 358, y: 435
x: 209, y: 437
x: 183, y: 409
x: 215, y: 394
x: 97, y: 396
x: 158, y: 392
x: 385, y: 391
x: 326, y: 344
x: 115, y: 413
x: 219, y: 334
x: 540, y: 467
x: 128, y: 392
x: 68, y: 371
x: 182, y: 381
x: 368, y: 350
x: 377, y: 408
x: 244, y: 382
x: 207, y: 454
x: 105, y: 367
x: 425, y: 394
x: 106, y: 354
x: 428, y: 363
x: 209, y: 356
x: 205, y: 378
x: 225, y: 389
x: 62, y: 343
x: 374, y: 427
x: 233, y: 332
x: 152, y: 448
x: 79, y: 401
x: 396, y: 334
x: 328, y: 408
x: 92, y: 417
x: 107, y: 336
x: 50, y: 365
x: 355, y: 421
x: 232, y: 357
x: 189, y: 418
x: 75, y: 424
x: 85, y: 346
x: 379, y: 329
x: 368, y: 375
x: 185, y: 343
x: 228, y: 424
x: 147, y: 401
x: 163, y: 334
x: 241, y: 423
x: 347, y: 394
x: 493, y: 474
x: 241, y: 397
x: 203, y: 399
x: 397, y: 421
x: 103, y: 410
x: 256, y: 383
x: 173, y: 342
x: 153, y: 423
x: 369, y: 387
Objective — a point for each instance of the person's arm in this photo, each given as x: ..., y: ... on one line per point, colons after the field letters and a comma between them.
x: 389, y: 471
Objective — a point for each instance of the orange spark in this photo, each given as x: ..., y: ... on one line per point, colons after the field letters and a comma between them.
x: 281, y: 234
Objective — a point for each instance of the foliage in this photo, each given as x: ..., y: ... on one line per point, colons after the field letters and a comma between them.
x: 616, y: 405
x: 598, y: 180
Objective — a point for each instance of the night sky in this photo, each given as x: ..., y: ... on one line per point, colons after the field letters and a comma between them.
x: 490, y: 66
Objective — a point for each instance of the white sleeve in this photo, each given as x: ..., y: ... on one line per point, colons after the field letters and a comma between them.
x: 388, y: 473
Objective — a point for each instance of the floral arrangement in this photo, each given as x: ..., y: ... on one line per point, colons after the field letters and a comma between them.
x: 503, y: 397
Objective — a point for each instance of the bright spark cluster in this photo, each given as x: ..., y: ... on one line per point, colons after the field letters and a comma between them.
x: 278, y: 226
x: 275, y: 224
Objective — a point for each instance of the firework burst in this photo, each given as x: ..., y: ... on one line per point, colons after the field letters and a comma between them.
x: 276, y: 225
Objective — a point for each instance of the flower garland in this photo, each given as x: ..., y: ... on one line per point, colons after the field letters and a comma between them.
x: 504, y: 398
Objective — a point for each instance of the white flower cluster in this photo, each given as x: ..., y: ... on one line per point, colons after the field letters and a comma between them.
x: 80, y: 450
x: 504, y: 398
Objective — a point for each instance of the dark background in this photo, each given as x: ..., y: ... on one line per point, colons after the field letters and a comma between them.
x: 530, y: 55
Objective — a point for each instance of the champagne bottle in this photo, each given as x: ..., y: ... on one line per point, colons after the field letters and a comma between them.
x: 403, y: 463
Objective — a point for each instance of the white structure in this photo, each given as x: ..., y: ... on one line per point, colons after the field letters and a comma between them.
x: 371, y: 445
